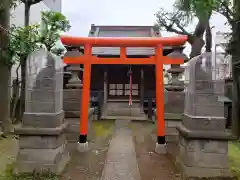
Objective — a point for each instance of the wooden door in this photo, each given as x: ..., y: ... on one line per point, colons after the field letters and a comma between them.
x: 118, y: 83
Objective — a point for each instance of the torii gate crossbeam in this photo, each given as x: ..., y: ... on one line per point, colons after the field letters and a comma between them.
x: 88, y: 59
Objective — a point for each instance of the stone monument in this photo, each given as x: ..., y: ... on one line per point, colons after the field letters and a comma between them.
x: 203, y: 139
x: 42, y: 144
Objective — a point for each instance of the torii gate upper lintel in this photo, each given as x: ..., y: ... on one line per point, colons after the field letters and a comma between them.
x: 88, y: 59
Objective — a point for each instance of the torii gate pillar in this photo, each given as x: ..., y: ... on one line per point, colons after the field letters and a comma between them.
x: 88, y: 59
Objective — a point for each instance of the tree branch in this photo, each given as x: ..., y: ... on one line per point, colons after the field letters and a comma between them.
x: 31, y: 2
x: 171, y: 29
x: 227, y: 12
x: 173, y: 19
x: 177, y: 22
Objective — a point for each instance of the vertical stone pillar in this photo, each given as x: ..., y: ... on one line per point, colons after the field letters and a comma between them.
x: 203, y: 139
x: 105, y: 87
x: 142, y: 89
x: 42, y: 144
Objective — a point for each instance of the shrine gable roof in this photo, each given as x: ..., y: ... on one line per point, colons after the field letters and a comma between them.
x: 124, y: 31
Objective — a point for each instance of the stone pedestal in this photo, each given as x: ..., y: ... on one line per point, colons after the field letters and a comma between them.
x: 42, y: 144
x: 203, y: 139
x: 72, y: 95
x: 41, y: 149
x: 203, y: 151
x: 72, y: 102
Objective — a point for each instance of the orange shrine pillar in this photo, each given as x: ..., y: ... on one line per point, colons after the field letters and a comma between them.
x: 85, y: 96
x: 159, y: 96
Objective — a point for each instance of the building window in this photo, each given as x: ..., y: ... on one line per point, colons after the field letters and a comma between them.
x: 123, y: 89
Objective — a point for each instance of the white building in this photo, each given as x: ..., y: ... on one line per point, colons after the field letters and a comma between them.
x: 35, y: 11
x: 17, y: 17
x: 222, y: 60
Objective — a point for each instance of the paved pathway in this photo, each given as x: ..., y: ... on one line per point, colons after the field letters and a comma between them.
x: 121, y: 162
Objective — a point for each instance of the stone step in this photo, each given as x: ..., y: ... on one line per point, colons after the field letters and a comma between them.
x: 134, y: 118
x: 122, y: 105
x: 171, y: 137
x: 172, y: 124
x: 123, y: 109
x: 128, y: 109
x: 123, y: 114
x: 122, y: 101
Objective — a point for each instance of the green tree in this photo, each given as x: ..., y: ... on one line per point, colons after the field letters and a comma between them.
x: 5, y: 64
x: 27, y: 4
x: 53, y: 25
x: 184, y: 13
x: 23, y: 41
x: 177, y: 21
x: 30, y: 38
x: 202, y: 9
x: 233, y: 48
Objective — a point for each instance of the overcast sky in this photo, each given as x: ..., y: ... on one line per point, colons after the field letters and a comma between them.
x: 118, y: 12
x: 124, y: 12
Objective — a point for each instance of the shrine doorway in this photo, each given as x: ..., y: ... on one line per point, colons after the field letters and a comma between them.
x: 119, y: 83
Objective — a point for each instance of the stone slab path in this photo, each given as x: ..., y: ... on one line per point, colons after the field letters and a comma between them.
x: 121, y: 162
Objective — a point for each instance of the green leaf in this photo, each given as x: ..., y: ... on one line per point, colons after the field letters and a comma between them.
x: 24, y: 40
x: 52, y: 26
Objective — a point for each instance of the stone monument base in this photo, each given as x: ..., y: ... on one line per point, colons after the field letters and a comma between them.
x: 161, y: 148
x: 203, y: 154
x: 82, y: 147
x: 41, y: 150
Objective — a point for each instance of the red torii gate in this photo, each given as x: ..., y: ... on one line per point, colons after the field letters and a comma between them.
x: 88, y: 59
